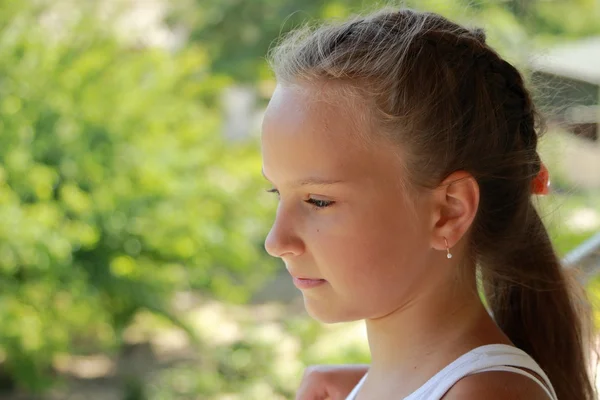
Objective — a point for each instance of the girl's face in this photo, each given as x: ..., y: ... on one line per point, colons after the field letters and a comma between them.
x: 342, y: 219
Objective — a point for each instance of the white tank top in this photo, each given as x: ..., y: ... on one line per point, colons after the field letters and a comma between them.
x: 492, y: 357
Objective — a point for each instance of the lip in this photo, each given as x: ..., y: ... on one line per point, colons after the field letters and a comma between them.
x: 308, y: 283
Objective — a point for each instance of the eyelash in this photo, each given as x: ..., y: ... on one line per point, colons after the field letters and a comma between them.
x: 313, y: 202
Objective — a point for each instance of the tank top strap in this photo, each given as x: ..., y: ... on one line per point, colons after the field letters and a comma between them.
x: 480, y: 359
x: 493, y: 357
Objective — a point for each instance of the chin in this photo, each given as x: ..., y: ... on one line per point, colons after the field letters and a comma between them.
x: 328, y: 313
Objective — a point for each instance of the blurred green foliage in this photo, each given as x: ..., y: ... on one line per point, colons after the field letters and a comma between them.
x: 116, y: 189
x: 238, y: 33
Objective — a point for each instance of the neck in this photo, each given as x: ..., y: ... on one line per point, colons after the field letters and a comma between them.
x: 421, y: 337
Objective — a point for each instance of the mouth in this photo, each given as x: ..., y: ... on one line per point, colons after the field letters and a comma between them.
x: 308, y: 283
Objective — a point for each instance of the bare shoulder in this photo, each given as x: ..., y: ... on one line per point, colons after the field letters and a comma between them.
x: 496, y: 385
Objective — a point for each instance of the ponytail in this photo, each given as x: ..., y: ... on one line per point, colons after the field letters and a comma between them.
x: 542, y: 308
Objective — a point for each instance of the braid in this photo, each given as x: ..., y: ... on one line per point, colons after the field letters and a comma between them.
x: 504, y: 80
x: 517, y: 103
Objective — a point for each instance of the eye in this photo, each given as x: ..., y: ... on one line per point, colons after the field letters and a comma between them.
x: 319, y: 204
x: 316, y: 203
x: 273, y: 190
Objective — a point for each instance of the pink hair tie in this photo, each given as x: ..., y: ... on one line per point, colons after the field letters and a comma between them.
x: 541, y: 183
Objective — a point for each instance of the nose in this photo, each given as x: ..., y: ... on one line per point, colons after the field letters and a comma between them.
x: 282, y: 240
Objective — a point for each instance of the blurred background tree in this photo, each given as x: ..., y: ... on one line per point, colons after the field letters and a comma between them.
x: 120, y: 189
x: 237, y: 34
x: 116, y: 189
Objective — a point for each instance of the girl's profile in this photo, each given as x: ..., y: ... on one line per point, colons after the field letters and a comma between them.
x: 403, y: 150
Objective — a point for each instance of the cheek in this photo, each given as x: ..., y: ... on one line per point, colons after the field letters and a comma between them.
x: 366, y: 248
x: 379, y: 264
x: 393, y: 258
x: 371, y: 259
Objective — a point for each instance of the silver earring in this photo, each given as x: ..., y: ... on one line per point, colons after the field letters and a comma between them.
x: 447, y: 249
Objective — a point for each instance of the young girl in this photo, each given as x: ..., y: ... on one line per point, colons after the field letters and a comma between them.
x: 403, y: 151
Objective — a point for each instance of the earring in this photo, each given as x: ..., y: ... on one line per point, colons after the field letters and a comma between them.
x: 447, y: 249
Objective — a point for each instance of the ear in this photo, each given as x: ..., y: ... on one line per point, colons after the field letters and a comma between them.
x: 455, y: 203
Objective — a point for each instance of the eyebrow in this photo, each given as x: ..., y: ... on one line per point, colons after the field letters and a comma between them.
x: 311, y: 181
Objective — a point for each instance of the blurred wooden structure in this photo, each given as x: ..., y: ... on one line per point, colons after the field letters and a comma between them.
x: 566, y: 79
x: 586, y: 258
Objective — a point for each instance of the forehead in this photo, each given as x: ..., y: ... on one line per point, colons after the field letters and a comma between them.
x: 310, y: 112
x: 307, y: 131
